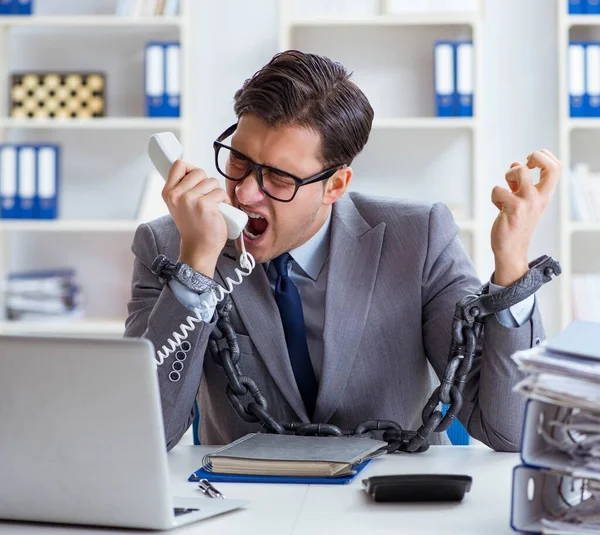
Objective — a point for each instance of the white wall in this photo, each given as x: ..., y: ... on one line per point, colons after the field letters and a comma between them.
x: 232, y: 39
x: 521, y: 109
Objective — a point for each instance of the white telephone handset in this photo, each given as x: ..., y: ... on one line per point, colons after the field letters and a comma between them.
x: 164, y: 149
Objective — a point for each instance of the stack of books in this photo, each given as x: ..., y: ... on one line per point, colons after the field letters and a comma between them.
x: 556, y: 490
x: 42, y: 295
x: 271, y: 458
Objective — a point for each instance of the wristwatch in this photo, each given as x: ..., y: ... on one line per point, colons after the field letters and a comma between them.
x: 165, y: 270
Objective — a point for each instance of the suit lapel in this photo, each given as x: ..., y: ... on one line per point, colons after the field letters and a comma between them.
x: 258, y: 311
x: 355, y: 249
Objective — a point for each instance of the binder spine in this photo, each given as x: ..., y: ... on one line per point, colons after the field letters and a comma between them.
x: 22, y: 7
x: 444, y: 79
x: 577, y: 7
x: 591, y: 7
x: 8, y: 182
x: 154, y: 66
x: 172, y: 78
x: 48, y: 182
x: 592, y: 77
x: 464, y: 78
x: 27, y: 170
x: 576, y: 82
x: 5, y: 7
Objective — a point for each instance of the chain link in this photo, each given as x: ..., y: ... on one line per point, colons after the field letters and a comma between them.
x: 467, y: 332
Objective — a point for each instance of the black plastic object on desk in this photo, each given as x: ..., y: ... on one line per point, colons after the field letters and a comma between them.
x: 418, y: 487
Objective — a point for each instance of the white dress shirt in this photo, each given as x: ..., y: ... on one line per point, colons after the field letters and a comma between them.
x: 308, y: 271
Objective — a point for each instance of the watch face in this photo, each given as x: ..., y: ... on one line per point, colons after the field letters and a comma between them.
x: 186, y: 273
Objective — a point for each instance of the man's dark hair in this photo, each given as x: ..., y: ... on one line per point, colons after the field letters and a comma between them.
x: 299, y: 89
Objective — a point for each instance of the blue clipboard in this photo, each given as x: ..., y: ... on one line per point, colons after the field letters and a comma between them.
x: 235, y: 478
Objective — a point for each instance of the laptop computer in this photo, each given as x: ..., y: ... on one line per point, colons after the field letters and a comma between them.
x: 83, y: 439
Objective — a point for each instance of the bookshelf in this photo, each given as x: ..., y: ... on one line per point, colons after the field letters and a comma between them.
x: 391, y: 56
x: 95, y: 238
x: 578, y: 138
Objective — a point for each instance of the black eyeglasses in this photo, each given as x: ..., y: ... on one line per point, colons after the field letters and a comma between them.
x: 275, y: 183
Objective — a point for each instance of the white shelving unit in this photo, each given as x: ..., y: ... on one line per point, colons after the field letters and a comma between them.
x: 363, y: 44
x: 96, y: 231
x: 579, y: 249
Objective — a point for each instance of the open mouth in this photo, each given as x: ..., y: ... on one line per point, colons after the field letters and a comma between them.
x: 256, y: 226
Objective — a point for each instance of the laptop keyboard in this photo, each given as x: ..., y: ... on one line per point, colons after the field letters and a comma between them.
x: 183, y: 510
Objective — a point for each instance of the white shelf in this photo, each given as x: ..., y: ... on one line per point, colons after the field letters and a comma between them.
x: 428, y: 123
x: 100, y: 123
x: 408, y: 19
x: 582, y: 20
x: 588, y: 123
x: 80, y: 326
x: 584, y: 226
x: 296, y: 24
x: 66, y: 225
x: 98, y: 21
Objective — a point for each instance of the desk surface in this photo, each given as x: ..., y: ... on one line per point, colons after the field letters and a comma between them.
x: 345, y: 509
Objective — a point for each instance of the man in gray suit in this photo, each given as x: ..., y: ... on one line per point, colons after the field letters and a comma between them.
x: 347, y: 315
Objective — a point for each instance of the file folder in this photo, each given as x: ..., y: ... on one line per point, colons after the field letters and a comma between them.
x: 592, y: 79
x: 576, y: 82
x: 445, y: 74
x: 163, y: 87
x: 26, y: 172
x: 8, y: 182
x: 47, y: 181
x: 464, y: 79
x: 591, y: 7
x: 155, y: 79
x: 576, y: 7
x: 172, y: 79
x: 235, y: 478
x: 21, y: 7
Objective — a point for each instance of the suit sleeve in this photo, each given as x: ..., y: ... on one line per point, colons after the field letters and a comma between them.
x: 155, y: 313
x: 491, y: 412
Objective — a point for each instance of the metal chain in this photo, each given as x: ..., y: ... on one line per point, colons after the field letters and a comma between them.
x: 467, y: 333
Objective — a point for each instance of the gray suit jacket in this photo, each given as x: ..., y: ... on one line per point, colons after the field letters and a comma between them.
x: 396, y: 271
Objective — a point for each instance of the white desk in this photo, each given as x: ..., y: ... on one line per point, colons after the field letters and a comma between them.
x: 345, y: 509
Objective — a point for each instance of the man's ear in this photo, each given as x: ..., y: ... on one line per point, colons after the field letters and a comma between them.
x: 337, y: 185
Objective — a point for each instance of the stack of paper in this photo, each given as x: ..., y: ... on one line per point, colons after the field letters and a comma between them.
x: 557, y: 490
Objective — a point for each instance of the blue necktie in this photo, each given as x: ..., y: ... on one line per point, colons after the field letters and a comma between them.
x: 292, y: 318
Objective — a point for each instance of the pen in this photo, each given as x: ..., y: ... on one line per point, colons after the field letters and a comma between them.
x: 207, y: 489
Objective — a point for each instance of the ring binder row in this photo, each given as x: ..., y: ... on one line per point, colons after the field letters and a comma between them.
x: 550, y: 484
x: 16, y: 7
x: 584, y: 78
x: 584, y: 7
x: 29, y: 177
x: 556, y: 489
x: 162, y: 78
x: 454, y: 78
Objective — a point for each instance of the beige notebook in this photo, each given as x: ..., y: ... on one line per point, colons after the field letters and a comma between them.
x: 290, y: 455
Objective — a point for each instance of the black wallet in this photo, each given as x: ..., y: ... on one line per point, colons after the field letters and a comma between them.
x: 418, y: 487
